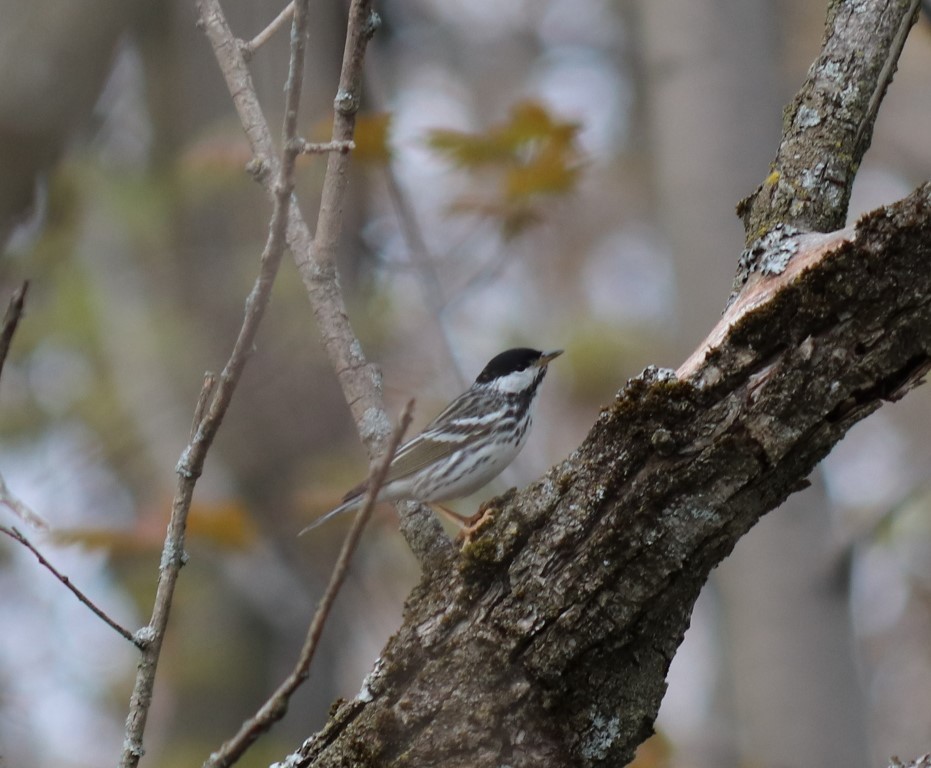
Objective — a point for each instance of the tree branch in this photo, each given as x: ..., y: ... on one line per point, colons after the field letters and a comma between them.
x: 315, y: 257
x: 249, y: 48
x: 16, y: 535
x: 829, y: 125
x: 314, y: 148
x: 192, y: 459
x: 277, y: 704
x: 549, y: 640
x: 14, y: 311
x: 11, y: 318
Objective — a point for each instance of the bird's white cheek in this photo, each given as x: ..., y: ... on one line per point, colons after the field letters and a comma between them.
x: 516, y: 382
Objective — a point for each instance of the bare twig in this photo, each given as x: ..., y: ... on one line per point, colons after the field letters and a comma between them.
x: 206, y: 390
x: 192, y: 459
x: 321, y: 148
x: 277, y: 704
x: 314, y: 257
x: 11, y: 318
x: 24, y: 513
x: 249, y: 48
x: 15, y: 534
x: 14, y: 312
x: 431, y: 286
x: 422, y: 261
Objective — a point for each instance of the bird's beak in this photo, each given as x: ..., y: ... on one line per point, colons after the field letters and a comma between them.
x: 546, y: 357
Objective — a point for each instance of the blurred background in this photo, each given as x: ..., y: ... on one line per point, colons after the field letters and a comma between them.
x: 553, y: 173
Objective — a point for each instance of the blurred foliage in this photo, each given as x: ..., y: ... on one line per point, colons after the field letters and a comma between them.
x: 212, y: 160
x: 226, y: 525
x: 531, y: 156
x: 371, y: 136
x: 599, y: 352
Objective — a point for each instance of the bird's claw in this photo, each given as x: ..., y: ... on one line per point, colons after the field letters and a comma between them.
x: 472, y: 525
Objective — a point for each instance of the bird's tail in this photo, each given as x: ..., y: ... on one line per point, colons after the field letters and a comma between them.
x: 346, y: 506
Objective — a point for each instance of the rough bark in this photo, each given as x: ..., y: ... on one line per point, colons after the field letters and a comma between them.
x: 829, y: 124
x: 549, y: 642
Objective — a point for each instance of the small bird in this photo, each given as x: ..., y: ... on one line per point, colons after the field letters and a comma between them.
x: 470, y: 443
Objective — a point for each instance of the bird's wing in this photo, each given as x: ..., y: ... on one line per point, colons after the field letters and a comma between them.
x: 423, y: 450
x: 455, y: 428
x: 410, y: 457
x: 449, y: 432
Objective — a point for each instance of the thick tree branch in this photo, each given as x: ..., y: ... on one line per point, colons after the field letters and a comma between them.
x: 828, y: 126
x: 549, y: 643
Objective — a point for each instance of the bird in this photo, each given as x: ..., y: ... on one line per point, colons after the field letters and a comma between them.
x: 470, y: 442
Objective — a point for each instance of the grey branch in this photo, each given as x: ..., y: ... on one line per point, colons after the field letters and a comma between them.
x: 15, y: 534
x: 249, y: 48
x: 277, y: 704
x: 192, y: 459
x: 315, y: 256
x: 548, y: 639
x: 321, y: 148
x: 14, y: 312
x: 813, y: 172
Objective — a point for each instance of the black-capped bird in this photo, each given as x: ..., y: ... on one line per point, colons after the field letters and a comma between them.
x: 471, y: 442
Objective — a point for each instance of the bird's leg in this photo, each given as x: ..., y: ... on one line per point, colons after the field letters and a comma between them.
x: 460, y: 520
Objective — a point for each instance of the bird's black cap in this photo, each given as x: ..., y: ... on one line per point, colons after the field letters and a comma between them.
x: 513, y: 360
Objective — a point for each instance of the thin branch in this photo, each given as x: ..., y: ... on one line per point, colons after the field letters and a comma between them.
x: 11, y: 318
x: 18, y: 508
x: 203, y: 399
x: 321, y: 148
x: 422, y: 261
x: 15, y: 534
x: 485, y: 274
x: 315, y: 257
x: 277, y: 704
x: 192, y: 458
x: 425, y: 268
x: 14, y: 312
x: 249, y: 48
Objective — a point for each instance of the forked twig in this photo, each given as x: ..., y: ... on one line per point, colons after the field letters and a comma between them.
x: 277, y: 704
x: 15, y: 534
x: 249, y: 48
x: 315, y: 256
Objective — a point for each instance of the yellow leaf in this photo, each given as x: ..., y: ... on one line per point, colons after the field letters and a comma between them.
x: 371, y: 137
x: 225, y: 524
x: 531, y: 155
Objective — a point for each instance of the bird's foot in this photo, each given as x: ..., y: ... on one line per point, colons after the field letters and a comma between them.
x: 472, y: 525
